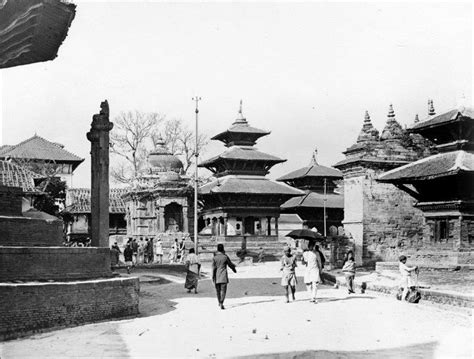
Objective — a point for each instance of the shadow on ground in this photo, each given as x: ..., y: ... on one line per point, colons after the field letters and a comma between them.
x: 158, y: 299
x: 419, y: 351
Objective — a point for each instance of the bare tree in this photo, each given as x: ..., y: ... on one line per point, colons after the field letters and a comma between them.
x: 135, y: 134
x: 181, y: 141
x: 131, y: 140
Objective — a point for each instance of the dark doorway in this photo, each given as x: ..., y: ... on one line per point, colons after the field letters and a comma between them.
x: 174, y: 217
x: 249, y: 225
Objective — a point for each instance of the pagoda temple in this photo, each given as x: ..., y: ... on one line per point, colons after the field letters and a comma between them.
x: 320, y: 199
x: 241, y: 201
x: 443, y: 185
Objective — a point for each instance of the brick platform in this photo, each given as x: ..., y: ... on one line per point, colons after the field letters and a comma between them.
x: 31, y: 307
x: 23, y: 231
x: 53, y: 263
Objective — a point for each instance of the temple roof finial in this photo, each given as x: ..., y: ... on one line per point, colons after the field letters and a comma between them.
x: 314, y: 157
x: 240, y: 110
x: 431, y: 110
x: 367, y: 116
x: 417, y: 118
x: 391, y: 112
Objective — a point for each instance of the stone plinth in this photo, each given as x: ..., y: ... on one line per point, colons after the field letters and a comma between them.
x: 24, y: 231
x: 27, y: 308
x: 53, y: 263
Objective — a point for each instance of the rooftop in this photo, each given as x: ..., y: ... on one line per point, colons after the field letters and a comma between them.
x: 12, y: 175
x: 38, y: 148
x: 78, y: 200
x: 32, y: 30
x: 243, y: 153
x: 248, y: 184
x: 440, y: 165
x: 458, y: 114
x: 315, y: 200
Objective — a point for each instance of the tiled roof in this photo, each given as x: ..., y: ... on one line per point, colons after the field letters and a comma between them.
x: 38, y: 148
x: 78, y: 200
x: 440, y: 165
x: 315, y: 200
x: 312, y: 171
x: 13, y: 175
x: 450, y: 116
x: 248, y: 184
x: 32, y: 30
x: 243, y: 153
x: 369, y: 159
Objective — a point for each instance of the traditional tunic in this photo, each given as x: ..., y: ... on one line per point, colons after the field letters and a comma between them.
x: 288, y: 265
x: 192, y: 273
x: 313, y: 267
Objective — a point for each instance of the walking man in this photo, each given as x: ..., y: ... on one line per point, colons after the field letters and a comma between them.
x: 220, y: 262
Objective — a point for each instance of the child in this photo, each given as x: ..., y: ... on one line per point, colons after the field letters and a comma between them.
x: 348, y: 268
x: 261, y: 255
x: 405, y: 272
x: 288, y: 265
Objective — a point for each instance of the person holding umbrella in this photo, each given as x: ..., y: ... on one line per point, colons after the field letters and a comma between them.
x: 312, y: 274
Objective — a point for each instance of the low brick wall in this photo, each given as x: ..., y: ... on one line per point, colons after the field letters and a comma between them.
x: 31, y: 307
x: 53, y: 263
x: 23, y: 231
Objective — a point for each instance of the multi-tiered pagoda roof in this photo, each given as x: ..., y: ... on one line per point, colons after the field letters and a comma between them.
x: 240, y: 187
x: 452, y: 169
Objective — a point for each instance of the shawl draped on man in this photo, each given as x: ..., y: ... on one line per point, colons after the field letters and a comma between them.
x: 192, y: 274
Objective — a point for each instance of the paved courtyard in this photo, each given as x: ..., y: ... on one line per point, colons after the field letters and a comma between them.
x: 258, y: 323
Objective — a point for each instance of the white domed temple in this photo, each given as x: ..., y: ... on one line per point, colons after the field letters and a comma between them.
x: 158, y: 204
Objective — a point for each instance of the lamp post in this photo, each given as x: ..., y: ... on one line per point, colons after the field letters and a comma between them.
x: 196, y: 99
x: 324, y: 207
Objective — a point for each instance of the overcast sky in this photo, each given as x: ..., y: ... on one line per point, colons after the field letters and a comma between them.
x: 306, y: 72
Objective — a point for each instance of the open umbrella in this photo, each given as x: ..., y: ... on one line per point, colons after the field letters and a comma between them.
x: 305, y: 234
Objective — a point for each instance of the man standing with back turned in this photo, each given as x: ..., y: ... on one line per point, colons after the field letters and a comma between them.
x: 219, y: 273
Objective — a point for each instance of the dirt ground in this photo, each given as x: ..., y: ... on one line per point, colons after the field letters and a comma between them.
x: 257, y: 323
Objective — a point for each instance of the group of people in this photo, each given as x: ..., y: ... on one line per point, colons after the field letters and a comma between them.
x: 177, y: 252
x: 147, y: 250
x: 220, y: 278
x: 313, y: 260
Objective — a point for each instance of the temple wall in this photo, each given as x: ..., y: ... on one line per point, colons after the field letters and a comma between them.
x: 30, y: 307
x: 392, y: 225
x: 380, y: 219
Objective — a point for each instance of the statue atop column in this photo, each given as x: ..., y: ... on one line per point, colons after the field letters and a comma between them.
x: 99, y: 138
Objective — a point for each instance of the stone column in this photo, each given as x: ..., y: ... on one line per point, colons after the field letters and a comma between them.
x: 99, y: 138
x: 276, y: 226
x: 161, y: 219
x: 185, y: 220
x: 225, y: 226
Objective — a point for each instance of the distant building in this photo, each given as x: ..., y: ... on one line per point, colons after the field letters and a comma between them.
x: 77, y: 214
x: 44, y: 157
x: 381, y: 219
x: 443, y: 187
x: 241, y: 201
x: 320, y: 198
x: 160, y: 202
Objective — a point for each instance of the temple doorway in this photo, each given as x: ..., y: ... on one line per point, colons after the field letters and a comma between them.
x: 249, y: 225
x: 174, y: 217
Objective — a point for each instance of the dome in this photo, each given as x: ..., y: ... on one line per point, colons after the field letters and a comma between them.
x: 162, y: 160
